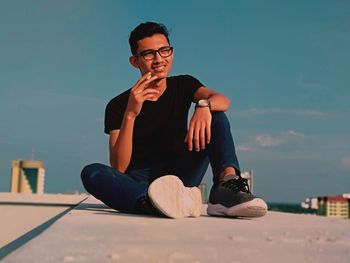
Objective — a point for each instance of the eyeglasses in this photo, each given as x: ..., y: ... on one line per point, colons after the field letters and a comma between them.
x: 150, y: 54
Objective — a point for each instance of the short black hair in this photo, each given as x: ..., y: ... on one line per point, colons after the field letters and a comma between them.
x: 146, y: 29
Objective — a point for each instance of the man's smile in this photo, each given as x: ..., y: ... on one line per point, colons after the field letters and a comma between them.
x: 159, y: 68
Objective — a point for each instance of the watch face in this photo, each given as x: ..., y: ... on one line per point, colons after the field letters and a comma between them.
x: 203, y: 103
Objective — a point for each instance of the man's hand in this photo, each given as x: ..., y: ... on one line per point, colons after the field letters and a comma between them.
x: 198, y: 133
x: 139, y: 93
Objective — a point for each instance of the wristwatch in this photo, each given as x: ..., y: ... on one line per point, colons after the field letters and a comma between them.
x: 203, y: 103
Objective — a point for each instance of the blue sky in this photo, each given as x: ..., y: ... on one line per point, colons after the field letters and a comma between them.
x: 283, y: 64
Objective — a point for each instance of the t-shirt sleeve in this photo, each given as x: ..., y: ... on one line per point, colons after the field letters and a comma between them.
x: 113, y: 116
x: 192, y: 85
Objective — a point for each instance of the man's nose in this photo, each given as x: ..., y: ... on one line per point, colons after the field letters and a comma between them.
x: 158, y: 57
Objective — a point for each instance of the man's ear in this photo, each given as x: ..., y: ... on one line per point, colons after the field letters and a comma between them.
x: 134, y: 62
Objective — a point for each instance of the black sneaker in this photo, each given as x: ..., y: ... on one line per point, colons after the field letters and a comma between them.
x: 144, y: 207
x: 231, y: 197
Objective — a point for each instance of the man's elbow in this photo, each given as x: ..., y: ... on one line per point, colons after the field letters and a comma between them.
x: 225, y: 104
x: 118, y: 167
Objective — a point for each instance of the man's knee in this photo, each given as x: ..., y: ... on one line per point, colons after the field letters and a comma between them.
x: 219, y: 118
x: 88, y: 174
x: 90, y: 171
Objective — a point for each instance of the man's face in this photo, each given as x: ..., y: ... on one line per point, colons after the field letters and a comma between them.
x: 159, y: 65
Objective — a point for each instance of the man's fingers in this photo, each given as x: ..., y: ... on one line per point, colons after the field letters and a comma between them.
x: 139, y: 94
x: 149, y: 80
x: 202, y: 137
x: 199, y: 133
x: 148, y: 91
x: 143, y: 85
x: 196, y: 138
x: 150, y: 97
x: 208, y: 133
x: 143, y: 78
x: 143, y: 82
x: 190, y: 138
x: 147, y: 94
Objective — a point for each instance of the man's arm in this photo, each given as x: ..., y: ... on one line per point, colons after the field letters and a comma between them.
x: 218, y: 101
x: 198, y: 134
x: 120, y: 141
x: 120, y: 145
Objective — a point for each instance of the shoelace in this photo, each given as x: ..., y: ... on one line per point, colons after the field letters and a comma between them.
x: 237, y: 185
x: 144, y: 206
x: 143, y: 202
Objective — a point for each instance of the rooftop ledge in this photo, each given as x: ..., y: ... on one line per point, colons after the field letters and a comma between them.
x: 85, y: 230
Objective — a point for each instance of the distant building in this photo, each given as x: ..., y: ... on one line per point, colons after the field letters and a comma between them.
x: 333, y: 206
x: 346, y: 195
x: 310, y: 203
x: 249, y: 176
x: 314, y: 203
x: 27, y: 176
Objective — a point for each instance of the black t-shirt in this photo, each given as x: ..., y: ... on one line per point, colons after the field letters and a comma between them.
x: 161, y: 126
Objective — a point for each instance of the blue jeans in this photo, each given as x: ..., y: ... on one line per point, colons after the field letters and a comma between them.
x: 121, y: 190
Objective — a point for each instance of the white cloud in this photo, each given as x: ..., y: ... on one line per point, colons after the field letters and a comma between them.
x: 307, y: 84
x: 245, y: 148
x: 308, y: 112
x: 265, y: 140
x: 303, y: 112
x: 346, y: 163
x: 296, y: 134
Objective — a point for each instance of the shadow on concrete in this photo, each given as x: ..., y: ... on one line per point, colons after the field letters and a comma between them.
x: 102, y: 209
x: 90, y: 206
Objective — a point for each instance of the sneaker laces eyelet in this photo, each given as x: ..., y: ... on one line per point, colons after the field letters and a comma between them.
x: 237, y: 185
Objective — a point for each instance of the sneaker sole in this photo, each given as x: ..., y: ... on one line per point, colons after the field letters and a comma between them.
x: 254, y: 208
x: 169, y: 195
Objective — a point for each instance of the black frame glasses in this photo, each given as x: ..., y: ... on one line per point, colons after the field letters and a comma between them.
x: 150, y: 54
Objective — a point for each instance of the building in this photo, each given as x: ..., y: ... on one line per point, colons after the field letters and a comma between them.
x: 333, y: 206
x: 338, y: 206
x: 314, y: 203
x: 310, y: 203
x: 346, y: 195
x: 27, y: 176
x: 249, y: 176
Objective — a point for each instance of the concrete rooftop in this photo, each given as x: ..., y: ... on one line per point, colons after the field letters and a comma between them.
x: 92, y: 232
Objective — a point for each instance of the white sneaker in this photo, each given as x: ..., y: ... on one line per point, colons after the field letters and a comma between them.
x: 169, y: 195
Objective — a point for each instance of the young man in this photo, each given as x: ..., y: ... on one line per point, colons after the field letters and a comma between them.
x: 156, y: 161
